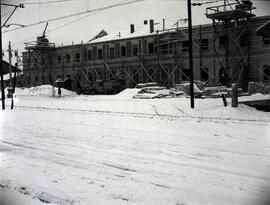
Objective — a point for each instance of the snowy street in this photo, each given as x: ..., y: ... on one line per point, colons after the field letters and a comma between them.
x: 117, y: 150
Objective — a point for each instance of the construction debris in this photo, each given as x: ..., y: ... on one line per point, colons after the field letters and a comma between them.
x: 146, y: 85
x: 152, y: 90
x: 258, y: 87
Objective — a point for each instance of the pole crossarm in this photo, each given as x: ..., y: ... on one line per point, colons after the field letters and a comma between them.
x: 15, y: 8
x: 14, y: 5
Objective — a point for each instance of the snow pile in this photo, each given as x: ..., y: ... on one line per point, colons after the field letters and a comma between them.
x: 127, y: 93
x: 42, y: 90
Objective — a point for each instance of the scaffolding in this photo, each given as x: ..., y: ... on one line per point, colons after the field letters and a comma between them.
x: 41, y: 53
x: 231, y: 42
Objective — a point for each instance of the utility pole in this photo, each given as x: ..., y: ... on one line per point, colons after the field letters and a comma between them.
x: 1, y: 57
x: 190, y: 55
x: 10, y: 89
x: 1, y: 64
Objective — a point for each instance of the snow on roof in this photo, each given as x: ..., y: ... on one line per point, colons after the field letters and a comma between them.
x: 139, y: 31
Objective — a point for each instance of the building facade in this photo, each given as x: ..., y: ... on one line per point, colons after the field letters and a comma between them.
x: 223, y: 54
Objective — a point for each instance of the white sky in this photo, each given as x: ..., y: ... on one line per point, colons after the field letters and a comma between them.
x: 112, y: 20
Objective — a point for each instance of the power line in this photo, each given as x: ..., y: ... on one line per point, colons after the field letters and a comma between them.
x: 47, y: 2
x: 123, y: 3
x: 61, y: 26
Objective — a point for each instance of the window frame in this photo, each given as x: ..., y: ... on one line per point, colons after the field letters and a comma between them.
x: 99, y: 53
x: 89, y: 54
x: 77, y: 58
x: 135, y: 49
x: 204, y: 45
x: 151, y: 49
x: 67, y: 58
x: 112, y: 52
x: 185, y: 48
x: 123, y: 51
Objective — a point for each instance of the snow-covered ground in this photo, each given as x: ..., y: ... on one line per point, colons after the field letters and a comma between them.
x: 118, y: 150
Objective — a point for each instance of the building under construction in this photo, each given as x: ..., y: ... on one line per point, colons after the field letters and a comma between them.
x: 235, y: 48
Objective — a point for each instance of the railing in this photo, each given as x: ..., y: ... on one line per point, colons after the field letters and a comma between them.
x: 36, y: 44
x: 229, y: 7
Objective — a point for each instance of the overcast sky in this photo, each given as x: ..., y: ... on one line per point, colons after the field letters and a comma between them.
x: 84, y: 27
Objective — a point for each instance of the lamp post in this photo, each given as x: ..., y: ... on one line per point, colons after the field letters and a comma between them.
x: 190, y: 55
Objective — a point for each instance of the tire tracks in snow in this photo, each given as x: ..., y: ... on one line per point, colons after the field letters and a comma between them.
x: 156, y: 115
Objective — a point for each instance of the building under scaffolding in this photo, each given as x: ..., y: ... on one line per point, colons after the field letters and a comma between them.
x: 225, y: 52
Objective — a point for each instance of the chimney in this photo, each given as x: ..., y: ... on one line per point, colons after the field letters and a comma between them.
x: 151, y: 26
x: 132, y: 28
x: 163, y: 24
x: 145, y: 22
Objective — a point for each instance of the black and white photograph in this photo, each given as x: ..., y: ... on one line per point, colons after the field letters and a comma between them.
x: 135, y: 102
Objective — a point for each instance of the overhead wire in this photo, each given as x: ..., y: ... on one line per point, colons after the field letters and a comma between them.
x: 47, y: 2
x: 63, y: 25
x: 122, y: 3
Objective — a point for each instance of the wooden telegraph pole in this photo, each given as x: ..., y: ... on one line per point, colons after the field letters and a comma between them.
x: 1, y: 57
x: 190, y: 54
x: 1, y: 65
x: 10, y: 89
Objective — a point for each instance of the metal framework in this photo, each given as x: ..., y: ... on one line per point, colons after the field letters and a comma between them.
x: 231, y: 42
x: 41, y: 52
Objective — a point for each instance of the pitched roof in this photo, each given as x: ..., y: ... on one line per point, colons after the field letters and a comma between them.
x: 139, y: 31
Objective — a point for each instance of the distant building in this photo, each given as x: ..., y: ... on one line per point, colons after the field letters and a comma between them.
x: 152, y: 53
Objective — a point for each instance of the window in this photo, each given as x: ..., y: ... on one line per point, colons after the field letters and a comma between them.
x: 172, y: 47
x: 89, y: 55
x: 185, y: 45
x: 59, y: 59
x: 186, y: 74
x: 204, y: 74
x: 77, y: 57
x: 266, y: 39
x: 111, y: 52
x: 150, y: 48
x: 244, y: 39
x: 67, y: 58
x: 204, y: 44
x: 222, y: 40
x: 165, y: 48
x: 123, y: 51
x: 266, y: 72
x: 135, y: 50
x: 100, y: 54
